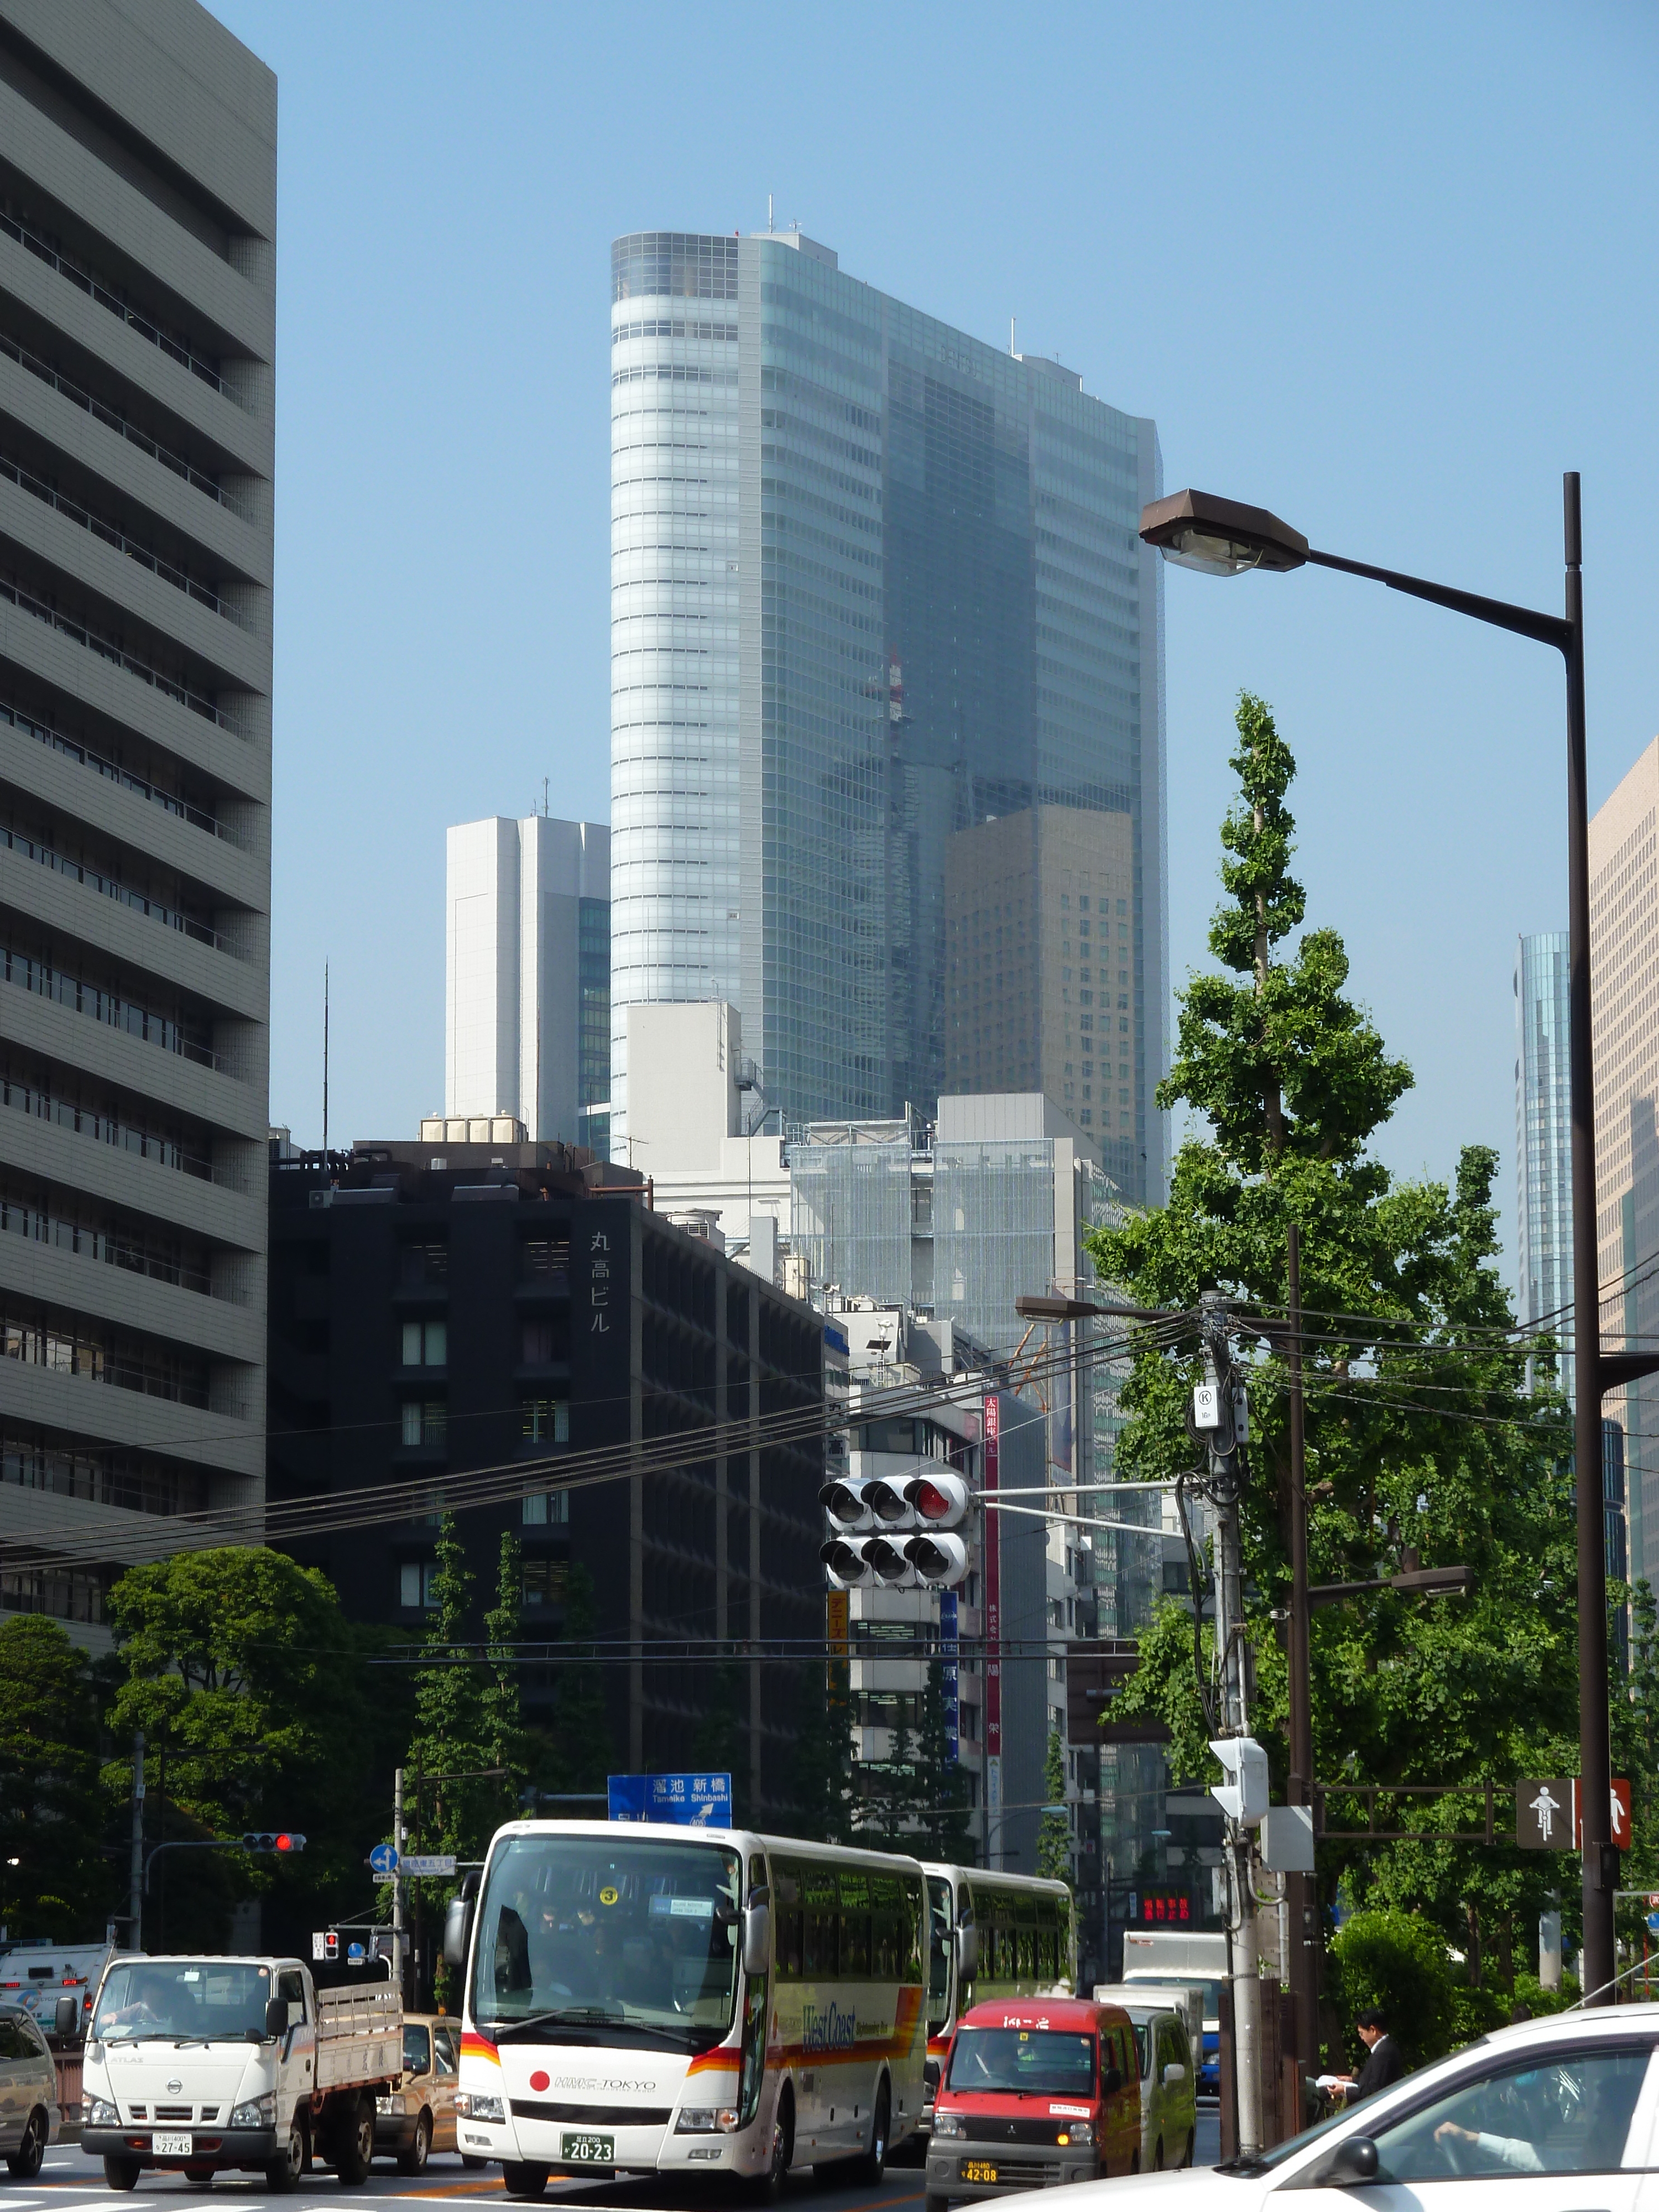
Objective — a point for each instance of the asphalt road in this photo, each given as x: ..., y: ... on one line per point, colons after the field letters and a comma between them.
x: 70, y: 2180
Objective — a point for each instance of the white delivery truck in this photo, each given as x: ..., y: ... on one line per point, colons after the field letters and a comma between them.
x: 1194, y: 1956
x: 37, y: 1975
x: 197, y: 2064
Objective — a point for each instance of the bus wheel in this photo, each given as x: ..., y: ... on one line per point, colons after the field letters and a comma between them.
x: 527, y: 2183
x: 767, y: 2187
x: 872, y: 2164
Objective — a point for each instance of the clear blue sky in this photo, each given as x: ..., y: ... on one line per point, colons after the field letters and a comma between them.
x: 1388, y: 271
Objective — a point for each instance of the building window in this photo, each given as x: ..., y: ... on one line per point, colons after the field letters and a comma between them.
x: 1087, y: 1117
x: 547, y: 1420
x: 545, y: 1582
x: 414, y: 1585
x: 537, y: 1347
x: 426, y: 1343
x: 426, y: 1421
x: 545, y: 1508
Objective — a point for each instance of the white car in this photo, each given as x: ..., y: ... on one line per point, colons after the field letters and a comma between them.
x: 1558, y: 2115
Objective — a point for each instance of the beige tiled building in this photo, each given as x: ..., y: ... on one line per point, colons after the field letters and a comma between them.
x: 1039, y: 995
x: 1624, y: 863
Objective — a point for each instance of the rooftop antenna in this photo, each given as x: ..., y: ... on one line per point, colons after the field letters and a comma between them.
x: 768, y: 214
x: 543, y: 799
x: 325, y: 1055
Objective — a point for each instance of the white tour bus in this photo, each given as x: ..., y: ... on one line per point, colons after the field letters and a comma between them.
x: 991, y: 1935
x: 642, y: 1998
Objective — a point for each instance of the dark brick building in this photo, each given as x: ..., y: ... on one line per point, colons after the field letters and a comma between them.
x: 463, y: 1310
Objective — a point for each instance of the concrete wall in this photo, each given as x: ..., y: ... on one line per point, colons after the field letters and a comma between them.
x: 683, y: 1063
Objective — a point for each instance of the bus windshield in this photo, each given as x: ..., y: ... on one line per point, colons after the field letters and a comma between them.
x: 603, y: 1939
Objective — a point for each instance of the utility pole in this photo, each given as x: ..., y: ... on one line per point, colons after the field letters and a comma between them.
x: 397, y: 1886
x: 135, y: 1906
x: 1217, y: 1419
x: 1300, y: 1892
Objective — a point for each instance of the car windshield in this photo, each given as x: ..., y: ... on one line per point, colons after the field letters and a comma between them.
x: 599, y: 1940
x: 182, y: 2000
x: 1021, y: 2062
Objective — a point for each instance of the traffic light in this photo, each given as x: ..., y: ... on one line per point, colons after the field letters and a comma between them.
x: 280, y: 1840
x: 1243, y: 1795
x: 892, y: 1529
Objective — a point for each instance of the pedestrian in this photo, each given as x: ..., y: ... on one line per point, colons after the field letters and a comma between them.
x: 1384, y: 2063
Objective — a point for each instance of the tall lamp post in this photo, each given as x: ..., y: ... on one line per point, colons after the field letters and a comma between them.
x: 1223, y: 539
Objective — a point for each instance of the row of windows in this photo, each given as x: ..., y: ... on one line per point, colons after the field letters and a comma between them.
x: 425, y: 1421
x: 845, y: 1924
x: 129, y: 1362
x: 544, y: 1581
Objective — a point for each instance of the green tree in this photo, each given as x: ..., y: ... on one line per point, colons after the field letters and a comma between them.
x: 820, y: 1776
x: 53, y: 1879
x: 1053, y: 1848
x: 583, y: 1744
x: 941, y: 1781
x: 1392, y: 1961
x: 452, y: 1717
x: 504, y: 1735
x: 1423, y: 1444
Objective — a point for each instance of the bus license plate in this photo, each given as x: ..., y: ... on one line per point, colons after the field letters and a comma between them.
x: 588, y: 2150
x: 172, y: 2146
x: 978, y: 2169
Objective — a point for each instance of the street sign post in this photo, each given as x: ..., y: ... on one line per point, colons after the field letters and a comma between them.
x: 383, y: 1859
x: 687, y: 1801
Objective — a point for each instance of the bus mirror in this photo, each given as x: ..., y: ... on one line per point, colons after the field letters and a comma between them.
x: 457, y: 1928
x: 757, y: 1939
x: 967, y: 1950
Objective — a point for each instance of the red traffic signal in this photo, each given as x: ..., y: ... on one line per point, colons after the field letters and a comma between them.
x: 273, y: 1840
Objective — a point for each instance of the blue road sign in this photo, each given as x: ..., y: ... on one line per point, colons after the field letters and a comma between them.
x: 1653, y: 1923
x: 356, y: 1955
x: 383, y: 1859
x: 687, y: 1801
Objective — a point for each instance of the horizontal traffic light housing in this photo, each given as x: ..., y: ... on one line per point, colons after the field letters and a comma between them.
x: 279, y: 1840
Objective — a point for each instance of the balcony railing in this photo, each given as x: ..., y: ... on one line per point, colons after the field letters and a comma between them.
x: 134, y: 1254
x: 47, y: 982
x: 113, y: 419
x: 109, y: 296
x: 181, y: 581
x: 31, y: 848
x: 111, y: 649
x: 24, y: 1097
x: 55, y: 741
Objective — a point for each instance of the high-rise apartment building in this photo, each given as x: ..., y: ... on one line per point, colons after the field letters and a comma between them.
x: 1624, y: 863
x: 873, y: 582
x: 137, y: 387
x: 1039, y: 980
x: 1543, y: 1134
x: 527, y: 976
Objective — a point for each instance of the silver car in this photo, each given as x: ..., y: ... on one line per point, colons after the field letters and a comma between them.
x: 29, y: 2118
x: 1168, y: 2093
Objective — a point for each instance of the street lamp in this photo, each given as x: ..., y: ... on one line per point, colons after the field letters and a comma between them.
x: 1223, y: 539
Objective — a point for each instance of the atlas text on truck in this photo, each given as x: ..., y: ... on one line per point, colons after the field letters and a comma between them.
x: 198, y: 2064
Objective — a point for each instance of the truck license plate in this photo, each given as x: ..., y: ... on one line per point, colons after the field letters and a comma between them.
x: 978, y: 2169
x: 588, y: 2150
x: 173, y: 2146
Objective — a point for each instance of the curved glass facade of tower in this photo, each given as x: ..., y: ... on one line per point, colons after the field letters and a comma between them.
x: 874, y: 583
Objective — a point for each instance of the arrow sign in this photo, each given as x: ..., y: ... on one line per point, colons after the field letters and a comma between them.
x: 383, y: 1859
x: 427, y: 1863
x: 1653, y: 1923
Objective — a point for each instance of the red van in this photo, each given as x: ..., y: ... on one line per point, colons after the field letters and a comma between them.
x: 1035, y: 2092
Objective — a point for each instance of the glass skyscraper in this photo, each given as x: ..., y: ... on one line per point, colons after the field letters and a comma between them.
x: 1543, y: 1135
x: 874, y: 582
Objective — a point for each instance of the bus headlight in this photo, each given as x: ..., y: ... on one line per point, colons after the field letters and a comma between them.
x: 473, y: 2105
x: 706, y: 2120
x: 948, y: 2123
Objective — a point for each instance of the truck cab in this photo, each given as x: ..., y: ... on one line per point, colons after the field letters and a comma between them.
x: 1035, y: 2093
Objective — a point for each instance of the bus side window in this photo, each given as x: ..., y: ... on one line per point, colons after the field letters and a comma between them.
x: 916, y: 1925
x: 855, y: 1946
x: 821, y: 1965
x: 786, y: 1923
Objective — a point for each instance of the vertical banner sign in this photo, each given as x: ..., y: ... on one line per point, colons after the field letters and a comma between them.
x: 993, y: 1606
x: 949, y: 1646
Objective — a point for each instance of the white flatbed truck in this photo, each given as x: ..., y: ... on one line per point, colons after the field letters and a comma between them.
x: 201, y: 2064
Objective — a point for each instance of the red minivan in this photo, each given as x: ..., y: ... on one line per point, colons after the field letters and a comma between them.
x: 1035, y: 2092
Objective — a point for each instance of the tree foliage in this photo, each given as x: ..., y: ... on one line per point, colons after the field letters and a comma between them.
x: 1392, y: 1961
x: 1423, y: 1445
x: 1054, y: 1843
x: 54, y: 1879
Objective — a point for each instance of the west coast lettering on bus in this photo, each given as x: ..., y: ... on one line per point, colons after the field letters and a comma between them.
x: 832, y: 2029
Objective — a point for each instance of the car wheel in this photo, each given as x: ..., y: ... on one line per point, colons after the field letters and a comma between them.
x: 25, y: 2161
x: 121, y: 2173
x: 526, y: 2183
x: 769, y: 2186
x: 284, y: 2171
x: 871, y: 2165
x: 413, y: 2160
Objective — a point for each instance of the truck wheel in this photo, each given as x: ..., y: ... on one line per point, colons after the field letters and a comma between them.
x: 473, y: 2162
x: 932, y: 2203
x: 413, y: 2160
x: 526, y: 2183
x: 121, y: 2173
x: 354, y: 2143
x: 284, y: 2171
x: 28, y: 2158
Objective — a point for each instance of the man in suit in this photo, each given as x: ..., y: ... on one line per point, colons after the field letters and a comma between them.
x: 1384, y: 2063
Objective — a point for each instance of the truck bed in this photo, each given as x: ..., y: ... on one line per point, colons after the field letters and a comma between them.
x: 359, y: 2036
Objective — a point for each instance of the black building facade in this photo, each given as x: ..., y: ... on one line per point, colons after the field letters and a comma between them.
x: 458, y: 1313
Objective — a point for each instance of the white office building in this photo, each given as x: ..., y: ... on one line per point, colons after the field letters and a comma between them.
x: 527, y: 976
